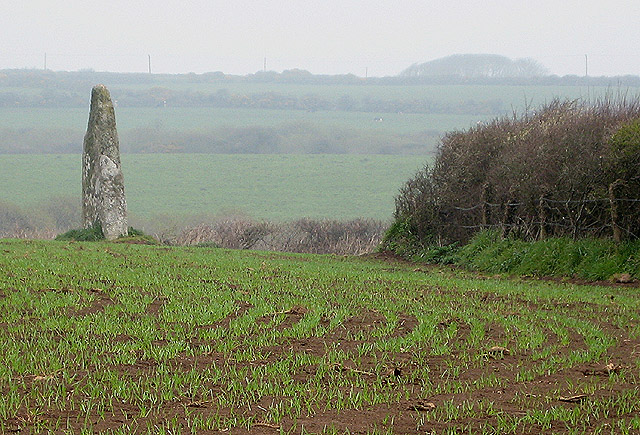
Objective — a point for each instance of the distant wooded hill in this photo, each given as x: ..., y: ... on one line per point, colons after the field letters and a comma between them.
x: 469, y: 66
x: 457, y: 69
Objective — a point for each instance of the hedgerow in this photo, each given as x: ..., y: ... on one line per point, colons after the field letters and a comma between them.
x: 569, y: 169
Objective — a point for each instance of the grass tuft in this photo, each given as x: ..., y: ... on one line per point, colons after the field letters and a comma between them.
x: 92, y: 234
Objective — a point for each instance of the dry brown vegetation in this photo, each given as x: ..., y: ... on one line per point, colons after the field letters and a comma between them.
x: 354, y: 237
x: 568, y: 169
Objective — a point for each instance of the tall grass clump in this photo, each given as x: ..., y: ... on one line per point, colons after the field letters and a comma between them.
x: 91, y: 234
x: 569, y: 169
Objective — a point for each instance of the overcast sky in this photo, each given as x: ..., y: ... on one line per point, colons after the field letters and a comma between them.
x: 322, y: 36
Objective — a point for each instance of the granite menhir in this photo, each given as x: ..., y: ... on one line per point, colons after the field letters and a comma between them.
x: 103, y: 200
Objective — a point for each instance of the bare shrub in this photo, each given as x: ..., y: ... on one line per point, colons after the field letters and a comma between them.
x: 43, y: 221
x: 232, y: 233
x: 18, y: 232
x: 353, y: 237
x: 63, y: 213
x: 546, y: 173
x: 13, y: 220
x: 304, y: 235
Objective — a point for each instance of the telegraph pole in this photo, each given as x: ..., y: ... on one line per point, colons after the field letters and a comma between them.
x: 586, y: 66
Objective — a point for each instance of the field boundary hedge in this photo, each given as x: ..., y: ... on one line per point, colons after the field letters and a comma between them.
x: 568, y: 169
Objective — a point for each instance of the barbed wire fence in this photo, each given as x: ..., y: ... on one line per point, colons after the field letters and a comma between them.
x: 613, y: 216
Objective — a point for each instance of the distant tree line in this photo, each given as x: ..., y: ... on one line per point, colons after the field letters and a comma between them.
x: 310, y: 102
x: 37, y: 88
x: 290, y: 138
x: 162, y: 97
x: 81, y: 80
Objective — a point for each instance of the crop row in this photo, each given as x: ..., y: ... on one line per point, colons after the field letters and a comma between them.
x: 124, y: 338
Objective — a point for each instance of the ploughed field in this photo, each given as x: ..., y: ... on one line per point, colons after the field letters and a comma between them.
x: 124, y: 338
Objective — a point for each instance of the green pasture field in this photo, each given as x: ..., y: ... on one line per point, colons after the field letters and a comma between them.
x: 116, y: 338
x: 206, y: 119
x: 274, y: 187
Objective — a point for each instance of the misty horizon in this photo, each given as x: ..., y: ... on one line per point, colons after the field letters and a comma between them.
x: 579, y: 65
x: 365, y: 38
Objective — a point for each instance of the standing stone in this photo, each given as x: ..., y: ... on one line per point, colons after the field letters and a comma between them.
x: 103, y: 200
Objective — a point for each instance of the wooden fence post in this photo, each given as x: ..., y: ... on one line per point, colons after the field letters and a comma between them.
x: 508, y: 218
x: 542, y: 210
x: 617, y: 232
x: 486, y: 198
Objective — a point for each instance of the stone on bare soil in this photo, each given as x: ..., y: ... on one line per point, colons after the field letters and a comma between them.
x: 103, y: 199
x: 622, y: 278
